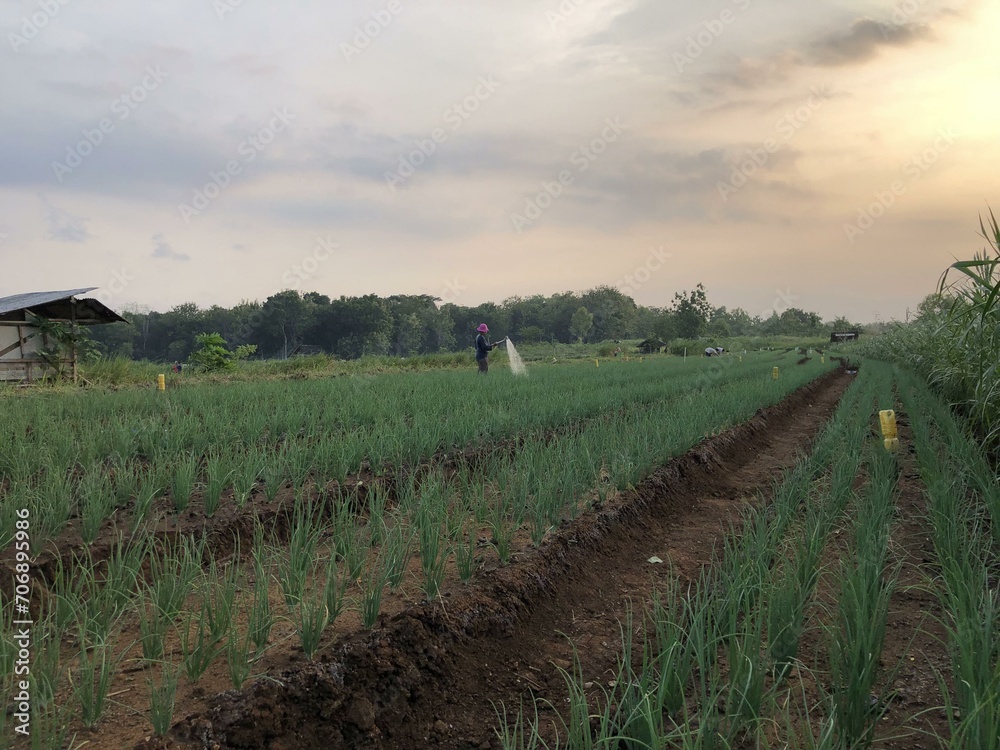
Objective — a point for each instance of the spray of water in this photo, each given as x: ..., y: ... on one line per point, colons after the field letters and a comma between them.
x: 516, y: 363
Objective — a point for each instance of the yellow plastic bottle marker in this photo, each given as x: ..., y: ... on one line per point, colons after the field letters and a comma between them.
x: 161, y: 382
x: 887, y: 417
x: 597, y: 363
x: 774, y: 374
x: 822, y: 360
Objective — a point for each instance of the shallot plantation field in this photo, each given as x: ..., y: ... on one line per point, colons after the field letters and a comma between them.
x: 660, y: 552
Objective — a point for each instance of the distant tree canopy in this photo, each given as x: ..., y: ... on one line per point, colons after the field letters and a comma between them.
x: 581, y: 323
x: 407, y: 325
x: 691, y: 312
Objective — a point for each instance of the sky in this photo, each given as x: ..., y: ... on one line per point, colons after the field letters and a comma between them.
x: 833, y: 156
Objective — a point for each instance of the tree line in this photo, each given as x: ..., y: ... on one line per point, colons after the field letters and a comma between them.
x: 290, y: 323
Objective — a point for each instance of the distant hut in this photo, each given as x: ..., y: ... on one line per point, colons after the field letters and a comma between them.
x: 39, y: 331
x: 837, y: 336
x: 651, y: 345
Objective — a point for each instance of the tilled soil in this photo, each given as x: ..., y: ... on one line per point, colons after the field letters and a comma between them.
x: 915, y: 634
x: 433, y: 674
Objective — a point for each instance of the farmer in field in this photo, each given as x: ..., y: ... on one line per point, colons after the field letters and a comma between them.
x: 710, y: 352
x: 483, y: 349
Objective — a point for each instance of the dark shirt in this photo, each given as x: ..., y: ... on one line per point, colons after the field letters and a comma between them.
x: 483, y: 347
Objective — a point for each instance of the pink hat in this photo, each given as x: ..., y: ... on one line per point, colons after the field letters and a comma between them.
x: 483, y: 328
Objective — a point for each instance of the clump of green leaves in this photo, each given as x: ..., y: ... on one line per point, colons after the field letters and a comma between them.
x: 213, y: 356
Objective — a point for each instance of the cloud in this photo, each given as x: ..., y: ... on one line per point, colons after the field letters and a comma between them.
x: 860, y: 42
x: 64, y: 226
x: 162, y: 249
x: 863, y: 41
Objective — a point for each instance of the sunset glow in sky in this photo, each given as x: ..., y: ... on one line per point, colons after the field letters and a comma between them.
x: 833, y: 156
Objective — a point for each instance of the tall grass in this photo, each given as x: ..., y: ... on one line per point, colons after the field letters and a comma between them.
x: 954, y: 342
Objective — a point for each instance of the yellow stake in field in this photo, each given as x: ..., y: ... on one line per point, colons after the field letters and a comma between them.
x: 161, y: 382
x: 887, y: 418
x: 774, y: 374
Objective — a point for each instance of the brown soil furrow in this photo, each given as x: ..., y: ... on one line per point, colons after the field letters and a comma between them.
x: 430, y: 676
x: 916, y: 638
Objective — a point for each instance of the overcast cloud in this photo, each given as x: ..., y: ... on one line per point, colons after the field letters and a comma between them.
x: 523, y: 147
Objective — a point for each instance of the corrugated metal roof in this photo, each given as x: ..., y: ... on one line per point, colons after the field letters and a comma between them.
x: 34, y: 299
x: 60, y: 306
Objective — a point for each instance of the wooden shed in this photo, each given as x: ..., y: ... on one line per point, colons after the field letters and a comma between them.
x: 37, y: 331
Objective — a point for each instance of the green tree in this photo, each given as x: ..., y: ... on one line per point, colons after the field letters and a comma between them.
x: 211, y: 354
x: 441, y: 330
x: 412, y: 315
x: 691, y: 312
x: 665, y: 328
x: 532, y: 334
x: 615, y: 314
x: 352, y: 327
x: 841, y: 323
x: 581, y: 323
x: 741, y: 323
x: 283, y: 319
x: 558, y: 316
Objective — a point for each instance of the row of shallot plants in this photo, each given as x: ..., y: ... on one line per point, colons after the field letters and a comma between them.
x: 65, y: 430
x: 963, y: 493
x: 190, y: 611
x: 329, y: 552
x: 865, y: 581
x: 550, y: 481
x: 218, y: 446
x: 713, y: 666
